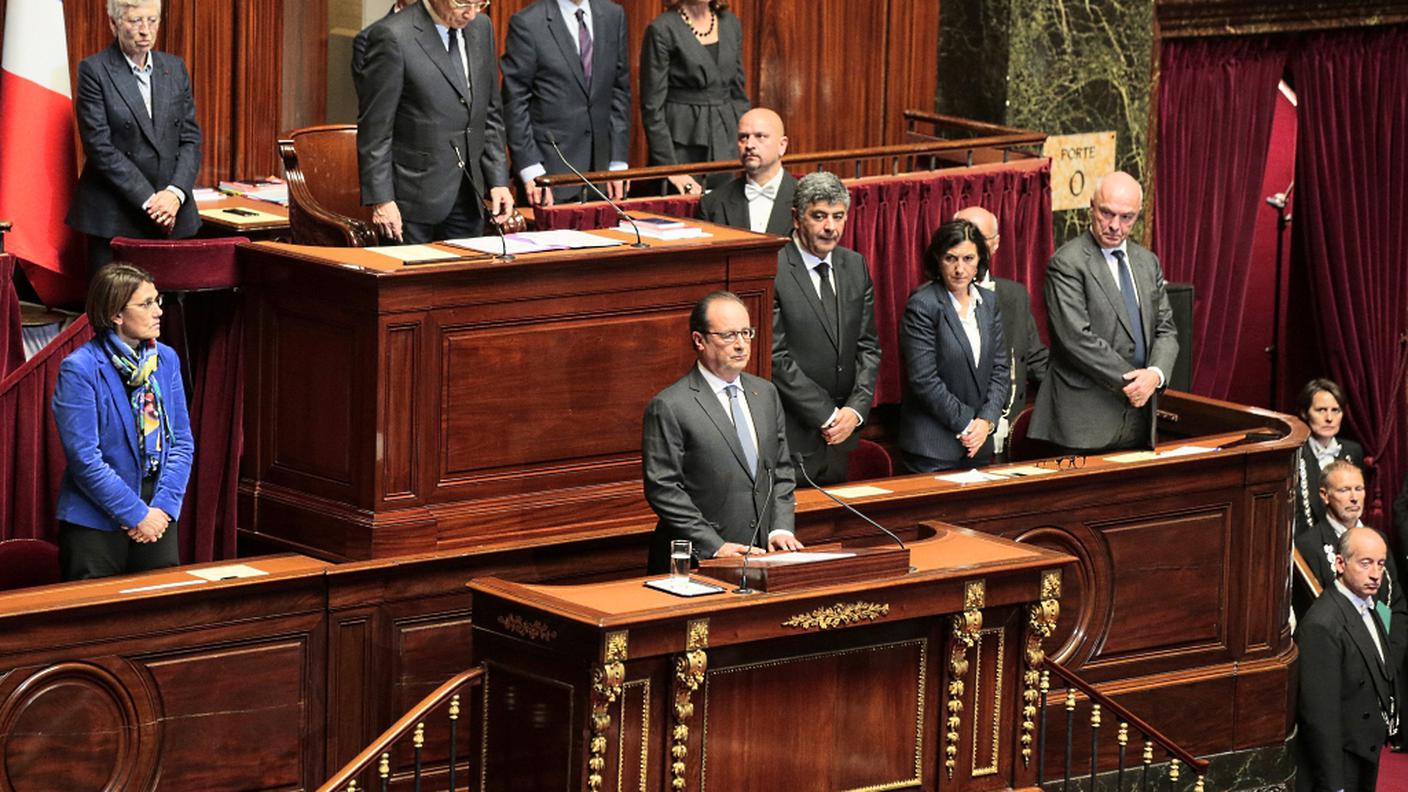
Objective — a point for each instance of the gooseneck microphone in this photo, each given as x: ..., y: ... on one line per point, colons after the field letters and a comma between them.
x: 552, y: 139
x: 797, y: 461
x: 503, y: 240
x: 753, y: 536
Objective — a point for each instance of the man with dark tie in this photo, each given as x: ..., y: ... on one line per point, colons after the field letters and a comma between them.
x: 1346, y: 708
x: 430, y: 143
x: 825, y: 350
x: 137, y: 123
x: 1113, y: 340
x: 1028, y: 356
x: 713, y: 447
x: 761, y: 199
x: 566, y: 78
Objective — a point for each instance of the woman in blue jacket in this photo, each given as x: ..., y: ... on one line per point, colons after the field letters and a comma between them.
x: 955, y: 357
x: 120, y: 408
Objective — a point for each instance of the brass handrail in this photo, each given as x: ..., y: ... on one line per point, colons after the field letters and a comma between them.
x: 1110, y: 705
x: 1003, y: 138
x: 372, y: 753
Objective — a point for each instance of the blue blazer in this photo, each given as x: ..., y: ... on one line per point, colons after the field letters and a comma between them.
x: 101, y: 487
x: 944, y: 391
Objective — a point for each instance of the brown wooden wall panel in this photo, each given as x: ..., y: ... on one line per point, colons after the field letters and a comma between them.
x: 400, y: 401
x: 257, y: 85
x: 315, y: 372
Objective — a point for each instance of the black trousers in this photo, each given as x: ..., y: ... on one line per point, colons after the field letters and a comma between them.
x: 466, y: 219
x: 86, y: 553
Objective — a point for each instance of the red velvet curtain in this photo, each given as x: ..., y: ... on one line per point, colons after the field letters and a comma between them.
x: 32, y: 459
x: 11, y: 344
x: 1350, y: 228
x: 1217, y: 98
x: 890, y: 222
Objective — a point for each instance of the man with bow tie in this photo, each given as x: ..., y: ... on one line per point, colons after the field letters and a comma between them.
x: 1346, y: 708
x: 761, y: 199
x: 825, y: 350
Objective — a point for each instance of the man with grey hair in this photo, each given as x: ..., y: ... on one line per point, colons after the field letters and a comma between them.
x: 825, y: 350
x: 137, y: 122
x: 1028, y: 356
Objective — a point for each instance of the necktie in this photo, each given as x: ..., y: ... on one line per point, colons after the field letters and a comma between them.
x: 584, y: 45
x: 456, y: 62
x: 828, y: 297
x: 751, y: 191
x: 740, y: 425
x: 1131, y: 308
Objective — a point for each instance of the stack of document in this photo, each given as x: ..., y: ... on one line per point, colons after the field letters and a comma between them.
x: 258, y: 189
x: 661, y: 228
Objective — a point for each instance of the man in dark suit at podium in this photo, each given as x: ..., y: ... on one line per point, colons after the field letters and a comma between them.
x: 761, y: 199
x: 713, y: 447
x: 430, y: 142
x: 1346, y: 709
x: 825, y: 350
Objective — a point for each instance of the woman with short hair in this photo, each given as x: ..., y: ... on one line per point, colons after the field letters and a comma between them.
x: 120, y: 408
x: 1321, y: 406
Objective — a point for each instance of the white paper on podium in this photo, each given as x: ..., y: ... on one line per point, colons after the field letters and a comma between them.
x: 227, y: 572
x: 683, y: 587
x: 803, y: 557
x: 969, y: 477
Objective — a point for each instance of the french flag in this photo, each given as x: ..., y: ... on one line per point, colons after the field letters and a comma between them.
x: 37, y: 169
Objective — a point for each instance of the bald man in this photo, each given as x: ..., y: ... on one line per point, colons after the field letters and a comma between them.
x: 1113, y: 340
x: 1026, y: 354
x: 761, y: 199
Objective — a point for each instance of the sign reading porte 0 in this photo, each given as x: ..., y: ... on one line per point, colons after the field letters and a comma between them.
x: 1076, y: 162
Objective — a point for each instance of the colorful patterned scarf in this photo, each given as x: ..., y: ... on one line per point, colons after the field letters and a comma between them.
x: 137, y: 367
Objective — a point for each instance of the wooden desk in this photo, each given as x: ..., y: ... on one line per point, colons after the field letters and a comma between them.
x: 222, y: 224
x: 911, y: 680
x: 398, y: 409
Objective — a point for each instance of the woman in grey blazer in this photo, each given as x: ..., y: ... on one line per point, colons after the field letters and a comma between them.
x: 691, y: 87
x: 955, y: 357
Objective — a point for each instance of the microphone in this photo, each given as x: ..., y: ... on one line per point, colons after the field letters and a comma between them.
x: 753, y: 536
x: 797, y: 461
x: 503, y: 240
x: 619, y: 213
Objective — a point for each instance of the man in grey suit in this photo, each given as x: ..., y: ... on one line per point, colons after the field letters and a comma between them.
x: 1028, y: 357
x: 566, y: 78
x: 1112, y: 334
x: 825, y: 351
x: 713, y: 447
x: 430, y: 140
x: 137, y: 122
x: 1346, y: 709
x: 761, y: 199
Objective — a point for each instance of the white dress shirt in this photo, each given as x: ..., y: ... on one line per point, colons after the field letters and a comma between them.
x: 760, y: 206
x: 1367, y: 612
x: 970, y: 321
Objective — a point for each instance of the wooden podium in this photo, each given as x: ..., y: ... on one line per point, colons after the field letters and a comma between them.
x: 922, y: 680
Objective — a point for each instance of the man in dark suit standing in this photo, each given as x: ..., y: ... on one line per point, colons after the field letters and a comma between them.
x: 137, y: 122
x: 761, y: 199
x: 825, y: 351
x: 430, y: 142
x: 1028, y: 357
x: 713, y: 447
x: 566, y: 78
x: 1113, y: 340
x: 1346, y: 707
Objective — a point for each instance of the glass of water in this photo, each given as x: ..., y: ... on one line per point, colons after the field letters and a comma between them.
x: 680, y: 551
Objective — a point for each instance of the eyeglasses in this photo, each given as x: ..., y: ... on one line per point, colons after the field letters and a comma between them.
x: 477, y: 5
x: 1067, y: 462
x: 729, y: 336
x: 148, y: 304
x: 137, y: 23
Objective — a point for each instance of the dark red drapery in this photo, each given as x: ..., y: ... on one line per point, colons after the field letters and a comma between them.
x: 890, y: 222
x: 11, y: 345
x: 1209, y: 186
x: 1351, y: 179
x: 32, y: 462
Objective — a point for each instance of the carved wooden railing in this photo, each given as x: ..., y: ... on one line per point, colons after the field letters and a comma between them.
x: 1101, y: 710
x: 980, y: 143
x: 411, y: 726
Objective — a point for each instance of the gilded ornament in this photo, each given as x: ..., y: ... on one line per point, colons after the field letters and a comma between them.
x: 838, y: 615
x: 532, y: 630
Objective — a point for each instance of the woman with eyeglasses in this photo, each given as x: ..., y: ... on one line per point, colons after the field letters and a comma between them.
x: 691, y: 87
x: 121, y: 412
x: 955, y: 358
x: 1321, y: 404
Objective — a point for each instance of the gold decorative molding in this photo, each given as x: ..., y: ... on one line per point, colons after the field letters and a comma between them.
x: 1041, y: 622
x: 999, y: 662
x: 689, y: 675
x: 607, y: 679
x: 966, y: 627
x: 532, y: 630
x: 842, y: 614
